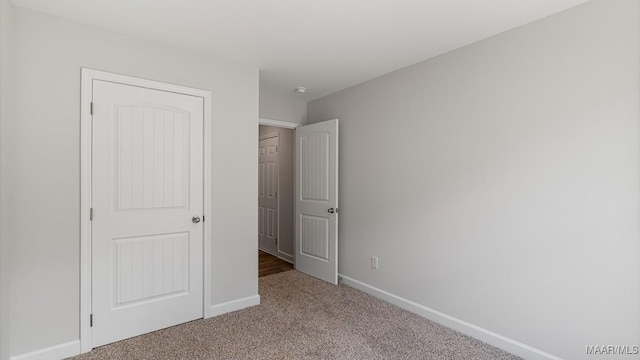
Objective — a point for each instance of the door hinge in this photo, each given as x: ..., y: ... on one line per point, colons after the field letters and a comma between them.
x: 91, y: 320
x: 91, y: 110
x: 276, y: 148
x: 90, y: 214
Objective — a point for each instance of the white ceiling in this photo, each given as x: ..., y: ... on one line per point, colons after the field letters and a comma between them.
x: 325, y: 45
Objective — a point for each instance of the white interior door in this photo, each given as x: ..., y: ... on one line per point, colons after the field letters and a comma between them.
x: 147, y: 199
x: 316, y: 225
x: 268, y: 195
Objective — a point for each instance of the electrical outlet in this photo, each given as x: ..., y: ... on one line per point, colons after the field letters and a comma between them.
x: 374, y: 262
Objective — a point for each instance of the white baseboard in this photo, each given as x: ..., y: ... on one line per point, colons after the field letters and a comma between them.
x: 285, y: 256
x: 233, y: 305
x: 487, y: 336
x: 55, y: 352
x: 72, y: 348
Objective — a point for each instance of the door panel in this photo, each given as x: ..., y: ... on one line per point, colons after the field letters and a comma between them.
x: 317, y: 200
x: 152, y: 154
x: 268, y: 195
x: 150, y: 267
x: 147, y: 267
x: 314, y: 152
x: 314, y: 239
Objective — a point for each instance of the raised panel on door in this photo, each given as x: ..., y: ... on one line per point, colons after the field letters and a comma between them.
x: 147, y: 185
x: 150, y: 267
x: 315, y: 177
x: 152, y: 166
x: 314, y: 237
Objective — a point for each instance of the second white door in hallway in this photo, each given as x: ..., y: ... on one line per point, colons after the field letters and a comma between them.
x: 268, y: 194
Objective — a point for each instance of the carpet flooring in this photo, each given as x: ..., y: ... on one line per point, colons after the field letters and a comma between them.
x: 303, y: 318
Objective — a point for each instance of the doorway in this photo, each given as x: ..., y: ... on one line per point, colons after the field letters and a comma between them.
x: 313, y: 196
x: 276, y: 192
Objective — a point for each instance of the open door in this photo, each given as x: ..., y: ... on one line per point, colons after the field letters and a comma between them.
x: 316, y: 223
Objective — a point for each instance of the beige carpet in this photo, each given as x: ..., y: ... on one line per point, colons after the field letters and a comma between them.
x: 304, y: 318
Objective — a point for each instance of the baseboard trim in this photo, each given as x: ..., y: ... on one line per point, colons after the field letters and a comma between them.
x: 55, y: 352
x: 72, y: 348
x: 233, y: 305
x: 487, y: 336
x: 285, y: 256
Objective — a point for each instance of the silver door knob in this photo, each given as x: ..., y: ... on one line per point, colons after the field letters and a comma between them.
x: 195, y: 219
x: 331, y: 211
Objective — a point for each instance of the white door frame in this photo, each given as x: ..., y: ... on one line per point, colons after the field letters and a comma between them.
x: 86, y: 96
x: 278, y: 123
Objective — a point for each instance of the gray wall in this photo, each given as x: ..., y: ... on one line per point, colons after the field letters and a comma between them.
x: 286, y: 190
x: 274, y: 106
x: 43, y: 176
x: 498, y: 183
x: 6, y: 50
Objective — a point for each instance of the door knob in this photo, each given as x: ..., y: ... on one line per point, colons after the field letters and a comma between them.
x: 195, y: 219
x: 331, y: 211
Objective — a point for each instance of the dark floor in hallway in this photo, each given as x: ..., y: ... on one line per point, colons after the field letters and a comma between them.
x: 269, y: 264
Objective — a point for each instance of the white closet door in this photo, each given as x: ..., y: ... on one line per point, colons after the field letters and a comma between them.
x: 147, y: 200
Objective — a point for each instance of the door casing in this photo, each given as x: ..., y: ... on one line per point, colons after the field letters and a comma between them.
x: 88, y: 76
